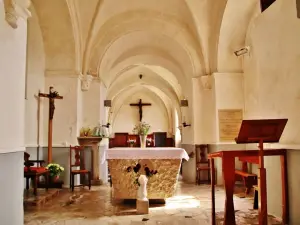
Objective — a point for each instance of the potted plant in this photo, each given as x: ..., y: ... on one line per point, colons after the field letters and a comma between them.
x: 142, y: 129
x: 54, y: 171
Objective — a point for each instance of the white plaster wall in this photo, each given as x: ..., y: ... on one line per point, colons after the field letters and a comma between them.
x: 12, y: 119
x: 67, y: 115
x: 229, y: 93
x: 128, y: 116
x: 12, y: 84
x: 272, y: 85
x: 91, y: 105
x: 209, y: 115
x: 188, y: 114
x: 204, y: 113
x: 35, y: 81
x: 198, y: 108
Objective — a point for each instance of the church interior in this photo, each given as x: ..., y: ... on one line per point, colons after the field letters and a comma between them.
x: 168, y: 111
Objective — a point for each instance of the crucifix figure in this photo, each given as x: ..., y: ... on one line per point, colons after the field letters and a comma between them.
x: 140, y: 105
x: 52, y: 96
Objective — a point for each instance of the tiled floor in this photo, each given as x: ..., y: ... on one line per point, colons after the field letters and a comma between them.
x: 191, y: 205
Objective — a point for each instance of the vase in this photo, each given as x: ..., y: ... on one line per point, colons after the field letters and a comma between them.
x: 55, y: 178
x: 143, y: 140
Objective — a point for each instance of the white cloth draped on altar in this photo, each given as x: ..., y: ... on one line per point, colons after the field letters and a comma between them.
x: 144, y: 153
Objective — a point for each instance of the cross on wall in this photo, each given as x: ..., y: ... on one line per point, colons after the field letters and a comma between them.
x: 140, y: 105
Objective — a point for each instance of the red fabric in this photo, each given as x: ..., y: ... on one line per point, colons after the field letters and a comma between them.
x: 35, y: 169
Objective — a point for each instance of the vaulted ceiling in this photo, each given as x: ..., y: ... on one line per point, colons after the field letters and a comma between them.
x: 168, y: 41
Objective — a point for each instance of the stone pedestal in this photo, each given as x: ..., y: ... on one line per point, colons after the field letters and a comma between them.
x: 142, y: 206
x: 93, y: 142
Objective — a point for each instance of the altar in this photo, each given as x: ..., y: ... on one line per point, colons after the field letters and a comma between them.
x: 163, y: 170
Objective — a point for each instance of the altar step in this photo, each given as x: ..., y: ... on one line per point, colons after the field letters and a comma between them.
x: 43, y: 196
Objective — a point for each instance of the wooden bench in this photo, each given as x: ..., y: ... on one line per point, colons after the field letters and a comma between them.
x: 249, y: 179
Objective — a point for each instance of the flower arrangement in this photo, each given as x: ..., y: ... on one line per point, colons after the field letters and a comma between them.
x: 141, y: 128
x: 131, y: 141
x: 85, y: 131
x: 54, y: 169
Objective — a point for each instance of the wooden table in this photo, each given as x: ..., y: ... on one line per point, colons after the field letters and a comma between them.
x: 228, y: 168
x: 93, y: 142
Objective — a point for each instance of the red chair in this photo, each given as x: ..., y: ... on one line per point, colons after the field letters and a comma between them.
x: 34, y: 172
x: 78, y: 152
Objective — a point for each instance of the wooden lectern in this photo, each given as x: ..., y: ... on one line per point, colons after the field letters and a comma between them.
x: 260, y: 131
x: 252, y: 131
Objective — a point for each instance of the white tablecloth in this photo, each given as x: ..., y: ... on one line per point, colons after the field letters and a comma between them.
x: 145, y: 153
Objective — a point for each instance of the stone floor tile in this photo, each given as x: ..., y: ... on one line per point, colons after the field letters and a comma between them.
x: 191, y: 205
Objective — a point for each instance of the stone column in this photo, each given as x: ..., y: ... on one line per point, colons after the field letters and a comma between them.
x: 105, y: 141
x: 228, y: 95
x: 12, y: 100
x: 67, y: 119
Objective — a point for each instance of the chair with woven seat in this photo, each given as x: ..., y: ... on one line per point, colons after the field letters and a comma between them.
x: 78, y: 161
x: 202, y: 164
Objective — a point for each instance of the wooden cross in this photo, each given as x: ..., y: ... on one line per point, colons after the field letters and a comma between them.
x: 140, y: 105
x: 52, y: 95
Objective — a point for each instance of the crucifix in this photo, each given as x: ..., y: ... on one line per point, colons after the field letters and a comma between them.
x: 140, y: 105
x: 52, y: 96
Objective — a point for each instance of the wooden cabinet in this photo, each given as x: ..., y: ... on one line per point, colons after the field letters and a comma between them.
x: 156, y: 139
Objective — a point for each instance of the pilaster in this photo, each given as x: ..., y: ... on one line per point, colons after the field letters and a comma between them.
x: 68, y: 111
x: 15, y: 9
x: 228, y: 94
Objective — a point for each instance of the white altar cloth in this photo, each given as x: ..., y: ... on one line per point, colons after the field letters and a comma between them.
x: 145, y: 153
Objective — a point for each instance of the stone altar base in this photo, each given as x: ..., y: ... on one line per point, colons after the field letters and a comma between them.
x: 142, y: 206
x: 160, y: 186
x: 42, y: 197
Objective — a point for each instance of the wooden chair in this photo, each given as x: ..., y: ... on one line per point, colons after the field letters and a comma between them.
x: 202, y: 164
x: 34, y: 172
x: 79, y: 162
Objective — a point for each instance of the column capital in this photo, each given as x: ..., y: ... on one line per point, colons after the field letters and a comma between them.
x: 226, y: 75
x: 14, y: 9
x: 206, y: 82
x: 85, y: 81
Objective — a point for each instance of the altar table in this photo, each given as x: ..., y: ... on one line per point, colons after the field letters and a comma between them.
x: 162, y: 185
x: 228, y: 170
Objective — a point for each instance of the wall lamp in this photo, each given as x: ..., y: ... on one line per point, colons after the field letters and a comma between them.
x: 184, y: 124
x: 242, y: 51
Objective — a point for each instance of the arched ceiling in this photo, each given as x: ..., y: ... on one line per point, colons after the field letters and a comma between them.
x: 170, y: 41
x: 58, y: 35
x: 232, y: 35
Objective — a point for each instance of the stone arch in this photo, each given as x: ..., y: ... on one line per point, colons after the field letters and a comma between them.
x: 129, y: 79
x: 35, y: 79
x: 126, y: 94
x: 58, y: 35
x: 126, y: 23
x: 151, y: 62
x: 167, y: 49
x: 233, y: 35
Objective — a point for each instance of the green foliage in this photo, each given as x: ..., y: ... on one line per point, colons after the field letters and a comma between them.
x: 141, y: 128
x: 54, y: 169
